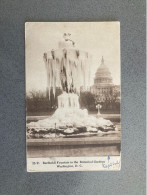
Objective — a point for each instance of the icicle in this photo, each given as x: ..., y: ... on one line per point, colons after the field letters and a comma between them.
x: 53, y: 77
x: 68, y: 69
x: 48, y: 76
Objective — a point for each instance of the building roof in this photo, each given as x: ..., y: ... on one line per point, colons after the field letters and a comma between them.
x: 103, y: 71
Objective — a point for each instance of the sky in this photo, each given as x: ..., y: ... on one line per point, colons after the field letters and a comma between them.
x: 97, y: 38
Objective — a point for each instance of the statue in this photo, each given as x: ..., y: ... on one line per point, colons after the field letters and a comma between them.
x: 66, y: 37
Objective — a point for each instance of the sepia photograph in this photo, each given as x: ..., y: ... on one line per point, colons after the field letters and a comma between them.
x: 73, y: 96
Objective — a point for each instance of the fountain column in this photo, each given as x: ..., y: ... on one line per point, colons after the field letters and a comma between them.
x: 68, y: 100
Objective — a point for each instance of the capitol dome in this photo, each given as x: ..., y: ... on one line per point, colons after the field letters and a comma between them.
x: 103, y: 75
x: 103, y: 83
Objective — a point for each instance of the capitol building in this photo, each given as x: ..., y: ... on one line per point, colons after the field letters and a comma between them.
x: 103, y: 87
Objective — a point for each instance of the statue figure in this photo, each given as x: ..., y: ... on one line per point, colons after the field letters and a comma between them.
x: 66, y: 36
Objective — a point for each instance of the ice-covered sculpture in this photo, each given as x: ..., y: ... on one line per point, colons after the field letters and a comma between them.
x: 67, y: 67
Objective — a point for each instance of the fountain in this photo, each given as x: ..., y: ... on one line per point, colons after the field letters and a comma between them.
x: 69, y: 69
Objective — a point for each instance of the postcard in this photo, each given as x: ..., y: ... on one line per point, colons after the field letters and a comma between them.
x: 73, y: 96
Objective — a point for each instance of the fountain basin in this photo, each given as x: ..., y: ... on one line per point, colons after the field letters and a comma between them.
x: 68, y: 121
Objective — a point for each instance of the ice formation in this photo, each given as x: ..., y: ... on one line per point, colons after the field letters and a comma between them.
x: 68, y: 100
x: 71, y: 121
x: 67, y: 68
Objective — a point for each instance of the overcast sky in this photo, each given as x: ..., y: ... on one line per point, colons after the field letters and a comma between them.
x: 98, y: 38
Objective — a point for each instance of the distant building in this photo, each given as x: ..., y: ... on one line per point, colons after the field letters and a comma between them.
x: 103, y: 87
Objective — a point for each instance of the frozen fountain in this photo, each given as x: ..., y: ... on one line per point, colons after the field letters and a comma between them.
x: 69, y: 68
x: 68, y: 100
